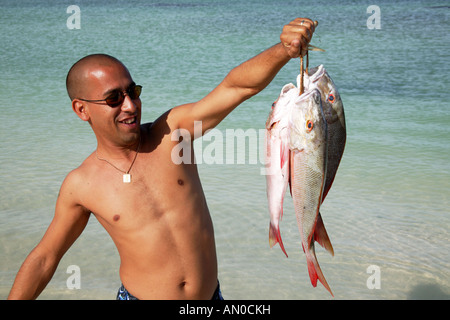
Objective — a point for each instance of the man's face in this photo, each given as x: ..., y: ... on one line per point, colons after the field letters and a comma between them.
x: 119, y: 125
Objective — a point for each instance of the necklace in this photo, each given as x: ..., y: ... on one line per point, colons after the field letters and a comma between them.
x: 126, y: 174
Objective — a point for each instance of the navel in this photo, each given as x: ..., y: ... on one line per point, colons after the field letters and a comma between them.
x: 116, y: 217
x: 180, y: 182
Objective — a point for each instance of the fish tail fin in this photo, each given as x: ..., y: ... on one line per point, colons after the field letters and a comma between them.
x: 314, y: 269
x: 275, y: 237
x: 321, y: 235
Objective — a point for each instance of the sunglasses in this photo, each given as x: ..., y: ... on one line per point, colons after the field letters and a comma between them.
x: 117, y: 97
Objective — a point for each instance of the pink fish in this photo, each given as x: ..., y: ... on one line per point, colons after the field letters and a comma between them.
x: 277, y: 160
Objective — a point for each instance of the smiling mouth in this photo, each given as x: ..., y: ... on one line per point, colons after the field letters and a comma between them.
x: 129, y: 121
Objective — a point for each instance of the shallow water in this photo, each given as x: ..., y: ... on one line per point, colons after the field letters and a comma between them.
x: 389, y: 203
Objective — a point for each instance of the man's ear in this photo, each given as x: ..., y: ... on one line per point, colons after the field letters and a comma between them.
x: 80, y: 109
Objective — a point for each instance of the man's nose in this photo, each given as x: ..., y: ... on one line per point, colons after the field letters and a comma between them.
x: 128, y: 104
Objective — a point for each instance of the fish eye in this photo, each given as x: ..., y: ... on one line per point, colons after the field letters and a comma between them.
x: 331, y: 98
x: 309, y: 125
x: 273, y: 105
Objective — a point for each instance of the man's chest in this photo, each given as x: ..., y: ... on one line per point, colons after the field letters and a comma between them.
x: 155, y: 188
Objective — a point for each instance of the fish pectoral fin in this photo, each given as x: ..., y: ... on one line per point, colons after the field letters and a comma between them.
x: 283, y: 155
x: 314, y: 48
x: 321, y: 235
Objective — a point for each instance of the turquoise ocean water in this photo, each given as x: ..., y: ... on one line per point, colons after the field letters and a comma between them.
x: 389, y: 205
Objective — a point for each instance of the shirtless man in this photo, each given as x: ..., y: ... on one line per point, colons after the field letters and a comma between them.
x: 154, y: 210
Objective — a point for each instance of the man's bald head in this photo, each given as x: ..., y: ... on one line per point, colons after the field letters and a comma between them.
x: 77, y: 77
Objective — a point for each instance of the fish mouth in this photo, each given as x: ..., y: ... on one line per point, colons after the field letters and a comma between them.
x: 316, y: 73
x: 313, y: 75
x: 315, y: 93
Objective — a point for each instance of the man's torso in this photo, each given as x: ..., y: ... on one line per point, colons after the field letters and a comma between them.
x: 159, y: 222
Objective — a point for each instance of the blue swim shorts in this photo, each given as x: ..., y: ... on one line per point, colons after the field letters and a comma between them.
x: 123, y: 294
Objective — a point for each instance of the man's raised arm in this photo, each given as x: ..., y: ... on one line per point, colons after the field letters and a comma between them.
x: 245, y: 80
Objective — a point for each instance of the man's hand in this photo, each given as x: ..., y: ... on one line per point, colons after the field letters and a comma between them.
x: 296, y: 36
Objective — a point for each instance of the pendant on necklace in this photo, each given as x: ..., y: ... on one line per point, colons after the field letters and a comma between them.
x: 126, y: 178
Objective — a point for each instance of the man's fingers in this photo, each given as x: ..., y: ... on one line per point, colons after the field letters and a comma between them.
x: 296, y: 36
x: 308, y: 23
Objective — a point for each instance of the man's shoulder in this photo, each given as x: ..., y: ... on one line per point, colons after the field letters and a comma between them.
x: 158, y: 131
x: 75, y: 186
x: 79, y: 175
